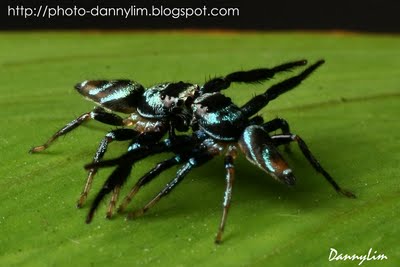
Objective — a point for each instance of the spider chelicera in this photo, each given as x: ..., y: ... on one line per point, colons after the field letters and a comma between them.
x: 219, y: 128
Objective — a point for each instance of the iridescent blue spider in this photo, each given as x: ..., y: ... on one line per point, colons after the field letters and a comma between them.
x: 219, y: 127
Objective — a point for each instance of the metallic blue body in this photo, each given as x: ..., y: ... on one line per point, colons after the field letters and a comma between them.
x: 116, y: 95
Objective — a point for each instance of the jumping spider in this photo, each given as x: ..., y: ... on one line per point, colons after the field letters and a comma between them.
x: 220, y: 128
x: 162, y: 108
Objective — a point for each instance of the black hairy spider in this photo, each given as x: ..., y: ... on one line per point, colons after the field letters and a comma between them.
x: 162, y: 108
x: 220, y: 127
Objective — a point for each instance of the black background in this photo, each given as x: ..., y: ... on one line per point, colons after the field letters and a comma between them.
x: 367, y: 16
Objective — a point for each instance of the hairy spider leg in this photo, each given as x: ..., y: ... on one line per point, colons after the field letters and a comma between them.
x: 275, y: 124
x: 251, y: 76
x: 148, y: 177
x: 195, y: 161
x: 115, y: 180
x: 113, y: 201
x: 142, y: 152
x: 143, y: 139
x: 98, y: 114
x: 287, y: 138
x: 115, y: 135
x: 230, y: 175
x: 125, y: 164
x: 164, y: 165
x: 183, y: 153
x: 260, y: 101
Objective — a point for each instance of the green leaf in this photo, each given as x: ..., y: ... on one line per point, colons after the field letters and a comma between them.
x: 347, y: 111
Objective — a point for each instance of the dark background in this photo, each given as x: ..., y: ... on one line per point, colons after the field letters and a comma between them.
x: 366, y: 16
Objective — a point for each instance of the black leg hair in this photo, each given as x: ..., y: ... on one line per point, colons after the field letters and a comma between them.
x: 251, y: 76
x: 230, y: 175
x: 193, y: 162
x: 141, y: 140
x: 116, y: 180
x: 285, y: 139
x: 260, y: 101
x: 115, y: 135
x: 182, y: 144
x: 98, y: 114
x: 148, y: 177
x: 132, y: 156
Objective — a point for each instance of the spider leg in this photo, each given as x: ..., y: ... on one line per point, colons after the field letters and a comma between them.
x: 113, y: 201
x: 140, y: 152
x: 251, y: 76
x: 195, y: 161
x: 98, y: 114
x: 115, y: 135
x: 133, y: 155
x: 260, y: 101
x: 148, y: 177
x: 142, y: 139
x: 113, y: 183
x: 125, y: 163
x: 230, y: 174
x: 275, y: 124
x: 287, y: 138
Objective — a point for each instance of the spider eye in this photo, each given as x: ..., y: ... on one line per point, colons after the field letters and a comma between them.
x: 162, y: 97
